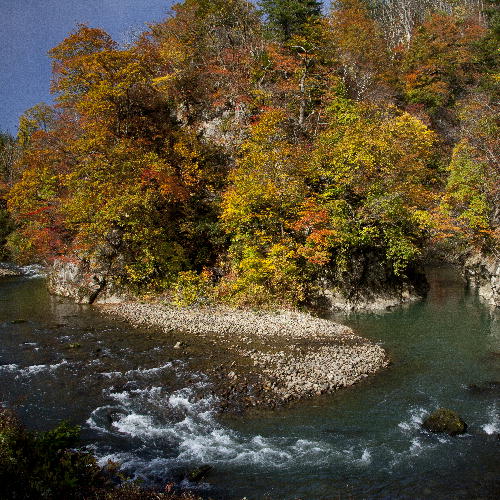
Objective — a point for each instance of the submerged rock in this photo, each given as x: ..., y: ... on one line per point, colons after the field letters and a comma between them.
x: 199, y: 473
x: 446, y: 421
x: 113, y: 415
x: 491, y: 386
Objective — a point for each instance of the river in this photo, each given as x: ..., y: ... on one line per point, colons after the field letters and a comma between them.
x: 139, y: 405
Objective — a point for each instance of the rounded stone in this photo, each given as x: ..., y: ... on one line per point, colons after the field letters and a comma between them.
x: 446, y: 421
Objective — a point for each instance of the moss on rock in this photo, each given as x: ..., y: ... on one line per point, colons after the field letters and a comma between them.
x: 446, y: 421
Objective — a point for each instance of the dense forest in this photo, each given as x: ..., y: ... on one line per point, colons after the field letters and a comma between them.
x: 253, y: 154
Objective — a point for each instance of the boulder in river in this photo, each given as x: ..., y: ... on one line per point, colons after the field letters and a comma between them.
x: 446, y: 421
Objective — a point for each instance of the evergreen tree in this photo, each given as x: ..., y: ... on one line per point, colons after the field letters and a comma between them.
x: 286, y: 18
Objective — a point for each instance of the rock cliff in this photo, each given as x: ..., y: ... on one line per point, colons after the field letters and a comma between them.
x: 482, y: 272
x: 84, y: 281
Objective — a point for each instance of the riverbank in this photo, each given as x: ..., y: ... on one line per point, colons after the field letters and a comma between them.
x: 262, y: 359
x: 9, y: 270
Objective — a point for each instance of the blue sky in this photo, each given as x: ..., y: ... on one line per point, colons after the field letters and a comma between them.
x: 29, y: 28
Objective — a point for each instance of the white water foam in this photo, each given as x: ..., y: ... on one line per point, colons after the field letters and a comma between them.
x: 366, y: 458
x: 415, y: 445
x: 111, y: 374
x: 36, y: 369
x: 414, y: 420
x: 31, y: 370
x: 9, y: 368
x: 493, y: 426
x: 186, y: 431
x: 143, y: 372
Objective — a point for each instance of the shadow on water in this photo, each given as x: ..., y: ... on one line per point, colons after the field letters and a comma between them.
x: 153, y: 413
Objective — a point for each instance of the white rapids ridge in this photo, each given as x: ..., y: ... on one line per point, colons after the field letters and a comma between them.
x: 180, y: 428
x: 32, y: 369
x: 493, y: 426
x: 191, y: 431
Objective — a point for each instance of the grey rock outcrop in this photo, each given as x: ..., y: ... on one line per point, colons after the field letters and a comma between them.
x: 9, y: 271
x: 83, y: 281
x: 372, y: 300
x: 482, y: 272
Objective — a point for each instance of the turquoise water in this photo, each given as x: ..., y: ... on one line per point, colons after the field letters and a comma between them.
x: 140, y: 406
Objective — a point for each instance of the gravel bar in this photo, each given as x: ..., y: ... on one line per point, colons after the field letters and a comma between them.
x: 292, y: 355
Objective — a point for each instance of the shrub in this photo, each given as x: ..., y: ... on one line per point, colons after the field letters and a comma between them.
x: 45, y: 464
x: 192, y: 288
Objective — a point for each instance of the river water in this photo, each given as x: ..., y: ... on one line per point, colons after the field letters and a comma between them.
x: 139, y: 405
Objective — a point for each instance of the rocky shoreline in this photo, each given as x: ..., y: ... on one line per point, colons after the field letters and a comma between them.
x: 262, y: 359
x: 9, y: 270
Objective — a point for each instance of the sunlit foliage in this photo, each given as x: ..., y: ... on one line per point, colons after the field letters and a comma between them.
x: 244, y: 155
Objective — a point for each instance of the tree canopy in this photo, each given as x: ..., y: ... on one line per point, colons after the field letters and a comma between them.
x: 253, y: 154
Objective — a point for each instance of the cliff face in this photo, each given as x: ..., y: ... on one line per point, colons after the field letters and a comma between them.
x: 366, y: 286
x: 84, y: 281
x: 482, y: 272
x: 369, y: 284
x: 373, y: 300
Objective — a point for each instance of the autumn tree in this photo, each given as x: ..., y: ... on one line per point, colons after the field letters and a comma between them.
x: 35, y: 198
x: 265, y: 189
x: 39, y: 117
x: 116, y: 180
x: 399, y: 18
x: 297, y: 76
x: 375, y: 188
x: 209, y: 157
x: 486, y: 51
x: 440, y: 63
x: 8, y: 154
x: 205, y: 53
x: 472, y: 194
x: 363, y: 56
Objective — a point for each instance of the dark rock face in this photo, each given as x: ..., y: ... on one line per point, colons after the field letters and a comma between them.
x: 369, y: 284
x: 446, y: 421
